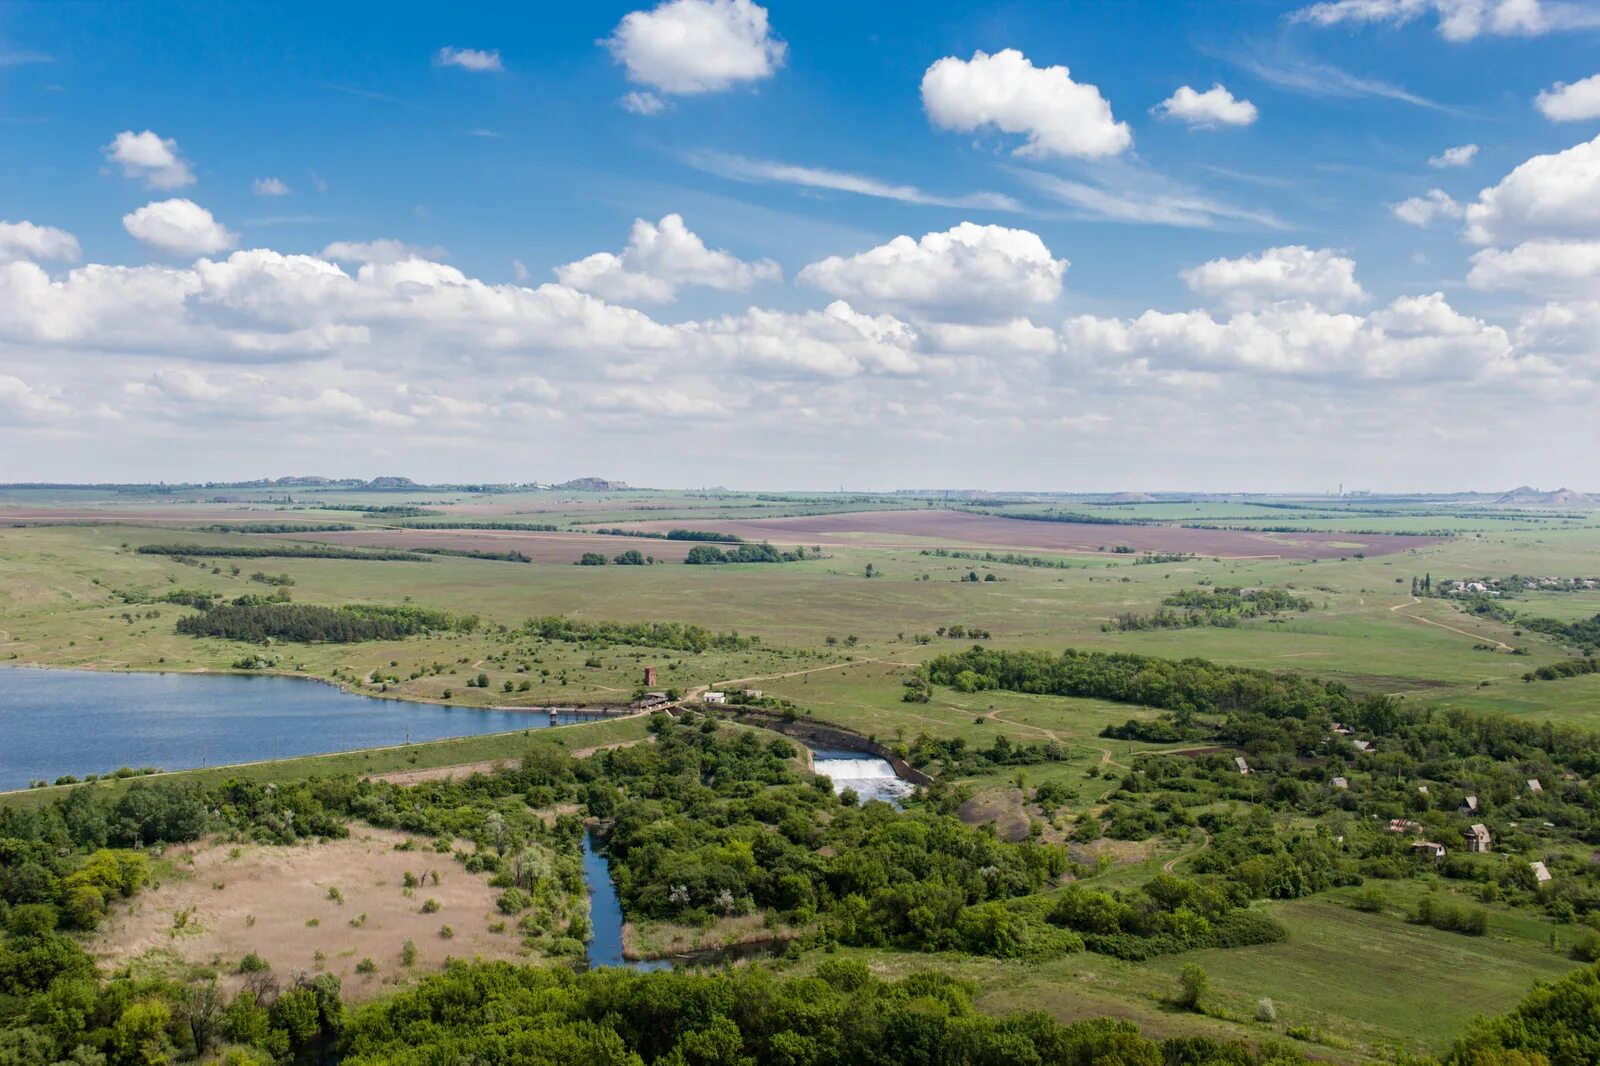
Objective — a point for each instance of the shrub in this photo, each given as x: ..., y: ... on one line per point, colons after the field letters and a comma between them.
x: 1192, y: 984
x: 253, y: 963
x: 430, y: 906
x: 513, y: 901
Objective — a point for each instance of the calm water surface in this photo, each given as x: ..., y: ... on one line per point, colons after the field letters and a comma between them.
x: 55, y: 722
x: 605, y: 913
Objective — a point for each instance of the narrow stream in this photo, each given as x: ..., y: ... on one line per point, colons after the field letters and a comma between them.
x: 605, y: 913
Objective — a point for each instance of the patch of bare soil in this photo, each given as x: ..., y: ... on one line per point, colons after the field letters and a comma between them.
x: 275, y: 902
x: 1004, y: 807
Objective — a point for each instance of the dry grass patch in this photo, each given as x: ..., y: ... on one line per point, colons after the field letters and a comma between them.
x: 344, y: 898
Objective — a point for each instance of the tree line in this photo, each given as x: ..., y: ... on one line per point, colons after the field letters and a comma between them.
x: 278, y: 551
x: 304, y: 623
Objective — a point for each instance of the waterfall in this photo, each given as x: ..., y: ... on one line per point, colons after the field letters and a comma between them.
x: 867, y: 775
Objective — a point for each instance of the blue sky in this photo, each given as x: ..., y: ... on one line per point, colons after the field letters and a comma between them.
x: 490, y: 144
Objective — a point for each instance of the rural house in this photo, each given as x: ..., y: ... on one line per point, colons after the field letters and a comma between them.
x: 1402, y: 825
x: 1469, y: 805
x: 1244, y: 767
x: 1339, y: 782
x: 1534, y: 786
x: 1429, y: 848
x: 715, y: 697
x: 1476, y: 838
x: 1541, y: 873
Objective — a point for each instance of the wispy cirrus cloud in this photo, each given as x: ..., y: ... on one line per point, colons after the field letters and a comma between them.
x: 741, y: 168
x: 1311, y: 78
x: 1130, y: 195
x: 24, y: 57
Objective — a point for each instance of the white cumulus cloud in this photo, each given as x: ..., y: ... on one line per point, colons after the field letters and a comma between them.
x: 1422, y: 210
x: 179, y: 228
x: 1459, y: 156
x: 1214, y: 107
x: 659, y: 259
x: 1571, y: 103
x: 1418, y: 338
x: 1057, y: 115
x: 1555, y: 196
x: 24, y: 240
x: 696, y: 46
x: 966, y: 271
x: 150, y: 158
x: 383, y: 250
x: 1542, y: 267
x: 1321, y: 278
x: 471, y: 59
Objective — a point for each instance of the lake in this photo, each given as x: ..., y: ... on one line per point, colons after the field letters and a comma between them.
x: 55, y: 722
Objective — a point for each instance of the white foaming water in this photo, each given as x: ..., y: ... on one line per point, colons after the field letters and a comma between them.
x: 869, y: 777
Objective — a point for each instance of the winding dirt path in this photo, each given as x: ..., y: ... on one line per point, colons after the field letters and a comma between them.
x: 1168, y: 866
x: 730, y: 682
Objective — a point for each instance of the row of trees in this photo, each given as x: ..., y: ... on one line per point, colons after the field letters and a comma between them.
x: 278, y: 551
x: 264, y: 622
x: 705, y: 554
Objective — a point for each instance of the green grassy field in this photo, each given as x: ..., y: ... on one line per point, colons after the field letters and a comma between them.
x: 839, y: 645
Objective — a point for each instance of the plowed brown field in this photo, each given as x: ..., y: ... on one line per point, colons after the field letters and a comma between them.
x: 950, y: 528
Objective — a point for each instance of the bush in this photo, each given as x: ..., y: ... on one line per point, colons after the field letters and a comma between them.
x: 1192, y: 984
x: 430, y: 906
x: 513, y: 901
x: 253, y: 963
x: 1266, y: 1011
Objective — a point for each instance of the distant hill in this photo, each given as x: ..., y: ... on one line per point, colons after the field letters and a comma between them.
x: 591, y: 484
x: 392, y: 483
x: 1562, y: 497
x: 1131, y: 497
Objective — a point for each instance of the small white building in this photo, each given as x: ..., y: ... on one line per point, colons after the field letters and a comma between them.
x: 1244, y: 767
x: 714, y: 697
x: 1362, y: 745
x: 1339, y: 782
x: 1534, y: 786
x: 1430, y: 849
x: 1469, y: 805
x: 1540, y: 873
